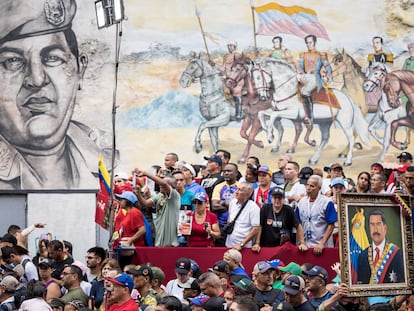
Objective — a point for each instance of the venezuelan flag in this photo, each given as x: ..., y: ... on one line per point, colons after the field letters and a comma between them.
x: 296, y: 20
x: 358, y: 241
x: 103, y: 194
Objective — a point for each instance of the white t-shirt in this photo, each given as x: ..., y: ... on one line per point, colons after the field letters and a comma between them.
x: 248, y: 218
x: 175, y: 288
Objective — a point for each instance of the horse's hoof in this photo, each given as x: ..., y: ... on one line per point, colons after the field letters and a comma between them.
x: 312, y: 162
x: 403, y: 146
x: 270, y: 139
x: 274, y: 149
x: 290, y: 150
x: 342, y: 155
x: 259, y: 144
x: 198, y: 148
x: 347, y: 163
x: 358, y: 146
x: 241, y: 161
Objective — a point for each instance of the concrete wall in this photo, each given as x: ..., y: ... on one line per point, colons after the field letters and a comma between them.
x: 69, y: 216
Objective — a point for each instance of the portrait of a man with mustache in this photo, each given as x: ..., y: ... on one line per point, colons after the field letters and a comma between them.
x: 382, y: 261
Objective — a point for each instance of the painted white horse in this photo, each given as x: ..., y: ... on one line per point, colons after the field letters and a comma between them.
x: 287, y: 105
x: 385, y: 113
x: 214, y: 106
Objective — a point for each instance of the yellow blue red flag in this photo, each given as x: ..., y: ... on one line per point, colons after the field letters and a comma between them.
x: 296, y: 20
x: 103, y: 196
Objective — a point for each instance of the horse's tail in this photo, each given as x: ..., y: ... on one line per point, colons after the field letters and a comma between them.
x: 361, y: 125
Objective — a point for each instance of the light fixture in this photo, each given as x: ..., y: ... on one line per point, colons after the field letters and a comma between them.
x: 109, y: 12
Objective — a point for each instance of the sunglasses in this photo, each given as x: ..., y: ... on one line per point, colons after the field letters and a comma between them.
x: 197, y: 202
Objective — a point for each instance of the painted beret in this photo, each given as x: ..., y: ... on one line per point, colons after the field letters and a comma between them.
x: 21, y: 18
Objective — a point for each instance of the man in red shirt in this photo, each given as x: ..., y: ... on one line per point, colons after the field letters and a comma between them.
x: 120, y: 294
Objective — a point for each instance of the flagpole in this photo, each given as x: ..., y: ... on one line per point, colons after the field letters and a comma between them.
x: 202, y: 31
x: 254, y: 28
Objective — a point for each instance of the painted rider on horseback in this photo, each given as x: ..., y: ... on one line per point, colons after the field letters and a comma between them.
x: 228, y: 61
x: 314, y: 63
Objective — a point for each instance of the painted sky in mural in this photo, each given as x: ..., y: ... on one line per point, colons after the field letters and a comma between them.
x: 157, y: 115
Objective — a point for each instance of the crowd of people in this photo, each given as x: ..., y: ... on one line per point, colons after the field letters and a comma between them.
x: 213, y: 204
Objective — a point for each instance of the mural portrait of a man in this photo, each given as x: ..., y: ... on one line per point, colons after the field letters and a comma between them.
x: 41, y: 69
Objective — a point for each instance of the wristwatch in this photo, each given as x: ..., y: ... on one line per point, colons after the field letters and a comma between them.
x: 242, y: 244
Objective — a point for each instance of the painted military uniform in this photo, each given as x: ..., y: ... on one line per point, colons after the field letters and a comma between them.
x: 313, y: 62
x: 72, y: 161
x: 381, y: 57
x: 82, y: 147
x: 409, y: 64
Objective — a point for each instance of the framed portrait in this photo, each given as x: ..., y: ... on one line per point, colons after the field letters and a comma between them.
x: 376, y: 247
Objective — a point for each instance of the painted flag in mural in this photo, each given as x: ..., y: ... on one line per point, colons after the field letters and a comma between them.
x: 103, y: 196
x: 358, y: 241
x: 296, y: 20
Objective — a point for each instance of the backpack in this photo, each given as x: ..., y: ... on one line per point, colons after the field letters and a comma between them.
x: 24, y: 263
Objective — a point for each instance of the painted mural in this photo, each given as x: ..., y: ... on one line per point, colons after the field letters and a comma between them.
x: 326, y: 81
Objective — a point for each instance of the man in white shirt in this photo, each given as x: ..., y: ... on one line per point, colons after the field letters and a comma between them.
x: 182, y: 271
x: 247, y: 225
x: 294, y: 190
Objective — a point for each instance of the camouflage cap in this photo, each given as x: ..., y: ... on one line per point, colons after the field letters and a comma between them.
x: 22, y: 18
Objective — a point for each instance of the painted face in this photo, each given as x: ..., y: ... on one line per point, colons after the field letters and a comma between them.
x: 377, y: 229
x: 276, y: 43
x: 39, y: 77
x: 310, y: 44
x: 231, y: 48
x: 377, y: 45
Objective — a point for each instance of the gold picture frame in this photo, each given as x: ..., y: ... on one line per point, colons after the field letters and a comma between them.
x: 370, y: 270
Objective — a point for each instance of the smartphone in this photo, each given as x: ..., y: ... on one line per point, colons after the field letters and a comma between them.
x: 44, y: 236
x: 206, y: 225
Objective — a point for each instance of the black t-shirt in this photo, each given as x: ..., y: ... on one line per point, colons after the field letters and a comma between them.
x: 210, y: 181
x: 59, y: 266
x: 269, y: 297
x: 279, y: 178
x: 306, y: 306
x: 273, y: 223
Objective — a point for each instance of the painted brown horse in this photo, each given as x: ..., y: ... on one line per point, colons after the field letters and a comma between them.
x: 396, y: 82
x: 252, y: 104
